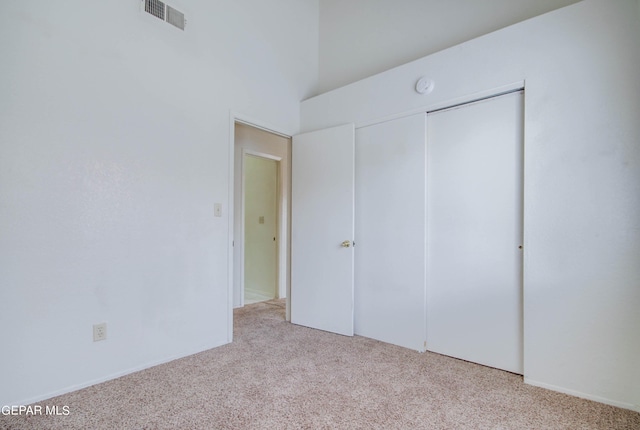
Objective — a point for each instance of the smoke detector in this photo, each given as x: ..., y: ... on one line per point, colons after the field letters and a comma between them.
x: 424, y: 85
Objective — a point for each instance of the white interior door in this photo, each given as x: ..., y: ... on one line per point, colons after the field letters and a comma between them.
x: 390, y: 232
x: 322, y: 223
x: 474, y: 229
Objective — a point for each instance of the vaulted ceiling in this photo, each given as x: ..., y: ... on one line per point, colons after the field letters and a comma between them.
x: 359, y: 38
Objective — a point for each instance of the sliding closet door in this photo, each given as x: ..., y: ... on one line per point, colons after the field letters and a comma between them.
x: 474, y: 232
x: 390, y: 232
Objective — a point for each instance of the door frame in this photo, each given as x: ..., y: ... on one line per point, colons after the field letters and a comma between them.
x: 238, y: 117
x: 280, y: 280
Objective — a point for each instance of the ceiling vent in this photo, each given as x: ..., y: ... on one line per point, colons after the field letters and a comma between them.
x: 175, y: 17
x: 155, y: 8
x: 165, y: 12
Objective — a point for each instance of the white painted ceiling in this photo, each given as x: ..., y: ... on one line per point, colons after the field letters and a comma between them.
x: 359, y: 38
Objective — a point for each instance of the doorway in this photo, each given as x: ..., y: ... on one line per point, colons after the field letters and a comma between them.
x: 262, y: 147
x: 260, y: 193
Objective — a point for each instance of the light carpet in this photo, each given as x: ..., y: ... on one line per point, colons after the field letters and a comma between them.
x: 276, y: 375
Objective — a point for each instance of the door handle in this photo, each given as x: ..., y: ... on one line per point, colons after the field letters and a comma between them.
x: 345, y: 244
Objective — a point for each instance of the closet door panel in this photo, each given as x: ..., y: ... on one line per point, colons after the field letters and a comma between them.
x: 474, y: 232
x: 390, y: 232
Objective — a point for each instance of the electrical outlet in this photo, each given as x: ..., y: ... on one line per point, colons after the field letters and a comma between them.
x: 99, y: 332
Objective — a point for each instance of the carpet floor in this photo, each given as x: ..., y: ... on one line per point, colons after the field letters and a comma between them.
x: 276, y: 375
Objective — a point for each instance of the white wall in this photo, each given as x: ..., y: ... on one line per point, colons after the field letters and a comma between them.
x: 582, y: 179
x: 359, y: 38
x: 114, y: 147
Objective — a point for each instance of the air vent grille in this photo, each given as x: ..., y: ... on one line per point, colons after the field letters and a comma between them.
x: 164, y: 12
x: 175, y: 17
x: 155, y: 8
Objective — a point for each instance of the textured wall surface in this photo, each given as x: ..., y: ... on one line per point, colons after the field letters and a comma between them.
x: 114, y: 148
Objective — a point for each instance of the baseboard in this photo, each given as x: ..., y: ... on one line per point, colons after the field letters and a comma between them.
x: 623, y: 405
x: 112, y: 376
x: 257, y: 292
